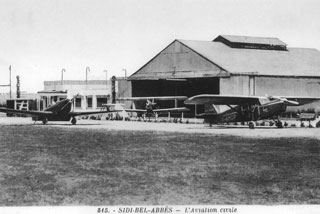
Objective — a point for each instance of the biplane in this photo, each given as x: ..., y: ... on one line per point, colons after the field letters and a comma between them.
x: 152, y: 108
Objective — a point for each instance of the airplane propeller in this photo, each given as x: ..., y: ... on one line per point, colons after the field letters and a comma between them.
x: 286, y: 101
x: 151, y: 103
x: 291, y: 102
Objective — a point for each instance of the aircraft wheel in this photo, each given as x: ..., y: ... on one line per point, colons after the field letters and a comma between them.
x: 74, y: 121
x: 279, y: 124
x: 251, y: 125
x: 44, y: 121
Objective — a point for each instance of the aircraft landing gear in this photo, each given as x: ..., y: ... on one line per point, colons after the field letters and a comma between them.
x: 73, y: 121
x: 44, y: 121
x: 251, y: 125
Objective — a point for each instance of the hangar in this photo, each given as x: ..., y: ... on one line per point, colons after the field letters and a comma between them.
x: 235, y: 65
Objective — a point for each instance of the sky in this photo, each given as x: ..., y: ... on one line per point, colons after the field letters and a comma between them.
x: 39, y: 38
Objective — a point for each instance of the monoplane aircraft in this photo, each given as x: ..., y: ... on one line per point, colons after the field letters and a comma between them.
x: 245, y: 108
x: 60, y: 111
x: 151, y: 108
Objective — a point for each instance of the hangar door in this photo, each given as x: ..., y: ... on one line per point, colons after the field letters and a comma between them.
x: 182, y: 87
x: 185, y: 87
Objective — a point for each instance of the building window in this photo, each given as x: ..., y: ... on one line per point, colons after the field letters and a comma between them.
x: 89, y: 102
x: 78, y: 102
x: 101, y: 100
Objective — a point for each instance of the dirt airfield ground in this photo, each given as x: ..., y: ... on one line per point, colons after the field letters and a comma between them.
x: 241, y: 131
x: 147, y: 163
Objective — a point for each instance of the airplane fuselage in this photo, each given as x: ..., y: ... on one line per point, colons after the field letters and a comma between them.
x: 57, y: 117
x: 60, y: 111
x: 244, y: 113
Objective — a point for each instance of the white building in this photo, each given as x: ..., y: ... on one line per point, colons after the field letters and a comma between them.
x: 90, y: 94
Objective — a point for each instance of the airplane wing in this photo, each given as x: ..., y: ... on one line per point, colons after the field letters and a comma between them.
x: 159, y: 110
x: 171, y: 109
x: 153, y: 98
x: 136, y: 110
x: 37, y: 113
x: 79, y: 113
x: 222, y: 99
x: 302, y: 100
x: 207, y: 114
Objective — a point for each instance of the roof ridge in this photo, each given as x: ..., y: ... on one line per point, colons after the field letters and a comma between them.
x: 192, y: 40
x: 265, y: 37
x: 233, y: 39
x: 303, y: 48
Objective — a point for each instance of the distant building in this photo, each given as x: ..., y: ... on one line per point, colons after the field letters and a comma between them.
x: 88, y: 95
x: 27, y: 101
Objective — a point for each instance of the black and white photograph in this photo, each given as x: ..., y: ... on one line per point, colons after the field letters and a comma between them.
x: 159, y: 106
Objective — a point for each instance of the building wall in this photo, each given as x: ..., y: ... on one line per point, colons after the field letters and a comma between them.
x: 235, y: 85
x: 277, y: 86
x: 177, y: 61
x: 286, y: 86
x: 94, y: 89
x: 123, y: 88
x: 273, y: 86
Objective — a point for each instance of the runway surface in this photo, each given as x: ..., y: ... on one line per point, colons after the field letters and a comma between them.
x: 244, y: 131
x: 147, y: 163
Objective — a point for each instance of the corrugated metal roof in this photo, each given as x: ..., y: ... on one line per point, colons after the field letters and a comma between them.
x: 253, y: 40
x: 294, y: 62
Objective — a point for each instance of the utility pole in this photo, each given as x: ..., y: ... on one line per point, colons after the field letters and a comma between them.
x: 18, y: 86
x: 113, y: 89
x: 106, y: 83
x: 87, y: 70
x: 10, y: 81
x: 62, y: 71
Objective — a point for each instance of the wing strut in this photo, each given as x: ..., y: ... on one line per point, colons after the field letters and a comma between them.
x: 231, y: 107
